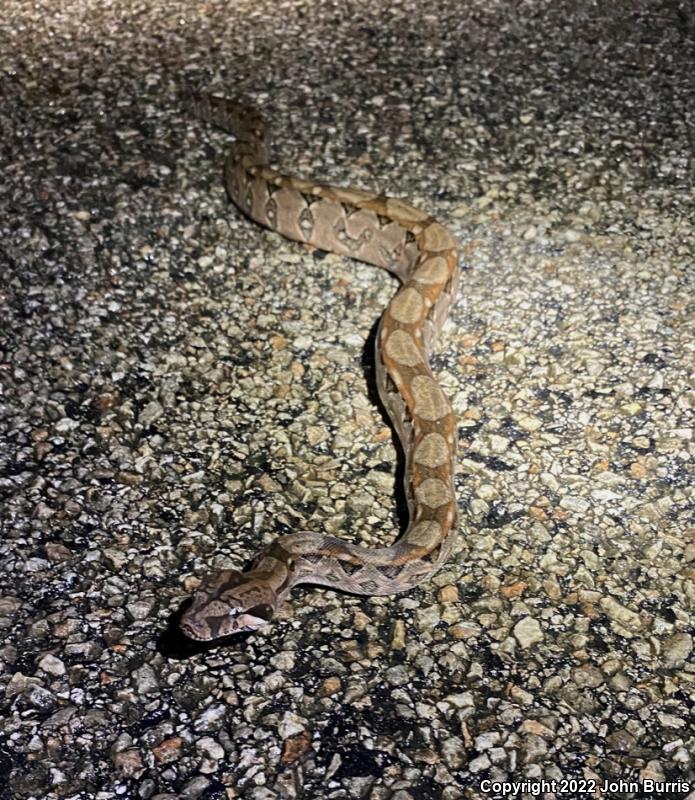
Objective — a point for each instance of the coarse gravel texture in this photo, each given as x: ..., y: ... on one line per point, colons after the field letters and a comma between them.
x: 179, y: 386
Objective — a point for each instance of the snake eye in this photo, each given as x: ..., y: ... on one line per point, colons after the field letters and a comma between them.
x: 262, y: 611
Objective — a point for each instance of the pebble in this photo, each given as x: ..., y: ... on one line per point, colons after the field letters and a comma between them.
x: 533, y: 748
x: 620, y: 741
x: 290, y: 725
x: 619, y: 613
x: 587, y: 676
x: 485, y: 741
x: 52, y: 665
x: 528, y: 632
x: 479, y: 763
x: 677, y: 649
x: 574, y: 503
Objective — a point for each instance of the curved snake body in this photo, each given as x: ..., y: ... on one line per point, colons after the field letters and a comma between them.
x: 417, y: 249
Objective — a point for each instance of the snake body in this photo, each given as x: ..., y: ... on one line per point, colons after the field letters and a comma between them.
x: 387, y: 233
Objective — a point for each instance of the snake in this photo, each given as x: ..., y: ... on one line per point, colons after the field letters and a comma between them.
x: 423, y: 255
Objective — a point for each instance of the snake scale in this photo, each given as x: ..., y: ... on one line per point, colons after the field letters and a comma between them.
x: 416, y: 248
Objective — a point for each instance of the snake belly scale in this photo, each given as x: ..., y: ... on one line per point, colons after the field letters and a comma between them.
x: 387, y: 233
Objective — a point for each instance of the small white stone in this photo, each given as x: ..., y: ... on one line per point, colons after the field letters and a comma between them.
x: 527, y: 632
x: 460, y: 700
x: 487, y: 740
x: 498, y: 444
x: 210, y: 748
x: 677, y: 648
x: 290, y: 725
x: 479, y: 764
x: 575, y: 503
x: 619, y: 613
x: 487, y: 492
x: 550, y: 481
x: 528, y: 422
x: 52, y: 665
x: 66, y: 424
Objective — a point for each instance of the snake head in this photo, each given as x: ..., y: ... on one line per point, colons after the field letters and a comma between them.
x: 228, y: 602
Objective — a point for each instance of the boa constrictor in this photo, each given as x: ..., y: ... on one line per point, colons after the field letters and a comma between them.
x: 417, y: 249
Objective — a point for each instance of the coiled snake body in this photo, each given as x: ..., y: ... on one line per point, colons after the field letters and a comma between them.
x: 406, y: 241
